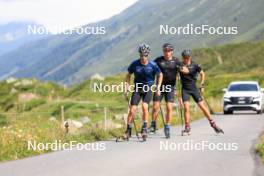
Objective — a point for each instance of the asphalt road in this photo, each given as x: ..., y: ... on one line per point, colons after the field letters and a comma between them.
x: 234, y: 156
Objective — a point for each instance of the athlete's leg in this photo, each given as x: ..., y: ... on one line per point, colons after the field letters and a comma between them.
x: 205, y: 110
x: 131, y: 114
x: 169, y: 108
x: 197, y: 97
x: 145, y: 112
x: 186, y: 104
x: 146, y: 98
x: 155, y: 110
x: 169, y: 98
x: 199, y: 100
x: 186, y: 112
x: 135, y: 99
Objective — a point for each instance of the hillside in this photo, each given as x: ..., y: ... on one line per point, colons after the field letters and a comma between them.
x: 74, y: 58
x: 31, y: 109
x: 14, y: 35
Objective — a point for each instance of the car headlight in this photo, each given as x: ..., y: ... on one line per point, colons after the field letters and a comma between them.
x: 227, y: 99
x: 256, y: 98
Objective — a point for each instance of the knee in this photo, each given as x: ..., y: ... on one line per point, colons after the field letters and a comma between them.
x: 133, y: 110
x: 155, y: 108
x: 145, y: 108
x: 187, y: 108
x: 169, y: 107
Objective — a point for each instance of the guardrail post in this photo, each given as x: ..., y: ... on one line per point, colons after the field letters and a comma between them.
x: 105, y: 118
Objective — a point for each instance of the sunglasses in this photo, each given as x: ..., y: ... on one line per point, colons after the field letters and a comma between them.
x: 167, y: 50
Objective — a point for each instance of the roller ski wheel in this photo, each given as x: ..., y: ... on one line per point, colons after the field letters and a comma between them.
x: 151, y: 130
x: 167, y: 131
x: 122, y: 139
x: 216, y: 128
x: 186, y: 131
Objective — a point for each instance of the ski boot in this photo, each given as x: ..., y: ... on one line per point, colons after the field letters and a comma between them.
x: 126, y: 136
x: 187, y: 130
x: 152, y: 128
x: 167, y: 131
x: 215, y: 127
x: 144, y: 133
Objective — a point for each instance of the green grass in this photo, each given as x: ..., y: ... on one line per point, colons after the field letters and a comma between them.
x: 260, y: 147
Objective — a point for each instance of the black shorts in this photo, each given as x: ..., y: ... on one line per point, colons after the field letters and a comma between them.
x: 169, y: 96
x: 194, y: 93
x: 141, y: 95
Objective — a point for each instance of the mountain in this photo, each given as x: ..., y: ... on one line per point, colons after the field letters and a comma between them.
x: 73, y: 58
x: 15, y: 34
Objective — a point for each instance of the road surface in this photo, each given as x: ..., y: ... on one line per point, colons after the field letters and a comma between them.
x: 150, y: 158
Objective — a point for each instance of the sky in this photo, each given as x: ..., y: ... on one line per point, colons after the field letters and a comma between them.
x: 60, y: 13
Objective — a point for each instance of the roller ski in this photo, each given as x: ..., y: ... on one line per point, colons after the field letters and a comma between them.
x: 215, y: 127
x: 186, y: 131
x: 126, y: 136
x: 167, y: 131
x: 152, y: 129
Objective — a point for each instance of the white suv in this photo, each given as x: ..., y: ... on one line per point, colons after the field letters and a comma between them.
x: 243, y: 95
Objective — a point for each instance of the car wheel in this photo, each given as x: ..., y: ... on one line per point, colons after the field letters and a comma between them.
x: 259, y: 112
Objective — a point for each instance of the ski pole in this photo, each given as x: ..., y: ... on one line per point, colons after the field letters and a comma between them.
x: 210, y: 108
x: 133, y: 120
x: 180, y: 103
x: 162, y: 115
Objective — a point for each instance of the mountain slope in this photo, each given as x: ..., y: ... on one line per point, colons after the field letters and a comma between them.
x: 14, y: 35
x: 70, y: 59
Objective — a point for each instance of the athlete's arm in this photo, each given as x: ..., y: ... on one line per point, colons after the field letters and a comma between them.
x: 202, y: 78
x: 159, y: 80
x: 184, y: 70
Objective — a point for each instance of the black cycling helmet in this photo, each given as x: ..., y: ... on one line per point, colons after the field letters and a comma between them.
x: 144, y: 49
x: 187, y: 53
x: 167, y: 46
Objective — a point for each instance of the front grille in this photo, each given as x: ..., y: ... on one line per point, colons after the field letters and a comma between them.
x: 241, y: 100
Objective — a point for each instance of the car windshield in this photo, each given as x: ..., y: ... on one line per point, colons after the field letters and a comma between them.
x: 243, y: 87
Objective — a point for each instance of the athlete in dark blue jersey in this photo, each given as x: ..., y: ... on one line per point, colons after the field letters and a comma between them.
x: 145, y: 72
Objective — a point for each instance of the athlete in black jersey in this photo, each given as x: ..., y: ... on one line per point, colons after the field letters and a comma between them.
x: 189, y: 88
x: 169, y: 67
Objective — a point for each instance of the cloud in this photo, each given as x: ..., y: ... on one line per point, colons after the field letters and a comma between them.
x: 54, y: 13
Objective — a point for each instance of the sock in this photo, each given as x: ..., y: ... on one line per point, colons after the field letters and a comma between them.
x: 153, y: 124
x: 129, y: 126
x: 145, y: 125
